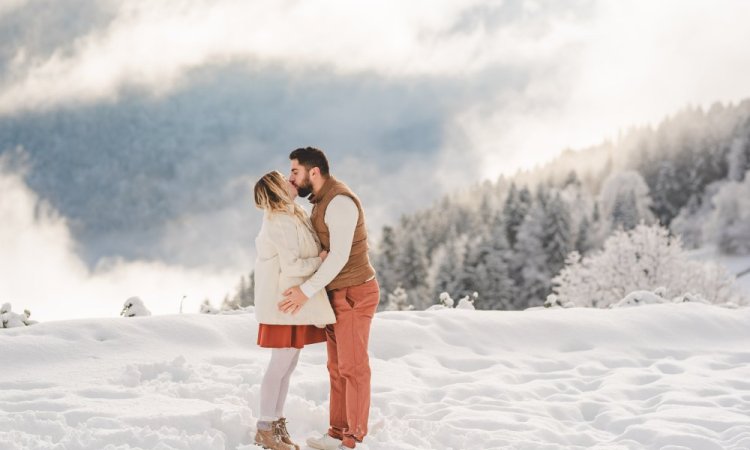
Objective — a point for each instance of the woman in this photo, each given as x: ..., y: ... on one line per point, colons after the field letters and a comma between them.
x: 288, y: 253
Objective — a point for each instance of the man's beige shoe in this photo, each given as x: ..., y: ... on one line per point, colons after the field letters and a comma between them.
x: 282, y: 431
x: 271, y: 439
x: 324, y: 442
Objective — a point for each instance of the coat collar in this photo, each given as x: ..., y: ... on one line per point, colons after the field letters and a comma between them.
x: 327, y: 186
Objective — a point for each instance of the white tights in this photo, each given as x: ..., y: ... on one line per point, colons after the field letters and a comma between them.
x: 275, y: 383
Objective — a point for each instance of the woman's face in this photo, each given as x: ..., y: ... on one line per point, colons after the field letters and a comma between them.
x: 291, y: 189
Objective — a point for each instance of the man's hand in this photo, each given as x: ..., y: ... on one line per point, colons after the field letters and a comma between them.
x: 294, y: 300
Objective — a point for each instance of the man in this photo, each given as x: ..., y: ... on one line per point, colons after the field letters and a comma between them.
x: 349, y: 278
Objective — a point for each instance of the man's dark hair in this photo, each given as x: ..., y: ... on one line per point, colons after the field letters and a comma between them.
x: 311, y: 157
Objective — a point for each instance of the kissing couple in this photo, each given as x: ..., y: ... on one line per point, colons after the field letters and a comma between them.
x: 313, y: 283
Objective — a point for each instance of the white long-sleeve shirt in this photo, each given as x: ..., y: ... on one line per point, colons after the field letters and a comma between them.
x: 341, y: 218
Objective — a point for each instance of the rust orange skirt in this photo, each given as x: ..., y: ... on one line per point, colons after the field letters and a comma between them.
x: 285, y: 336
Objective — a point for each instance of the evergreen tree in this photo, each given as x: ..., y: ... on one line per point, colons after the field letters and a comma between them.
x: 465, y: 278
x: 667, y: 196
x: 530, y: 268
x: 451, y: 274
x: 244, y: 293
x: 558, y: 241
x: 596, y: 215
x: 624, y: 213
x: 412, y: 265
x: 738, y: 158
x: 248, y: 297
x: 729, y: 223
x: 624, y: 201
x: 572, y: 179
x: 491, y: 268
x: 516, y: 207
x: 385, y: 263
x: 585, y: 241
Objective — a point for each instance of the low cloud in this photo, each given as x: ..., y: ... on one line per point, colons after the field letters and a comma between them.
x: 635, y: 63
x: 8, y: 6
x: 591, y: 73
x: 152, y: 45
x: 41, y: 271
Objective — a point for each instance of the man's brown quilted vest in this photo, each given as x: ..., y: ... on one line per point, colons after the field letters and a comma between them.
x: 357, y: 269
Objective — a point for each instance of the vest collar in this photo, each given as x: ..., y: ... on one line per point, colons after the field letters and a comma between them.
x: 327, y: 186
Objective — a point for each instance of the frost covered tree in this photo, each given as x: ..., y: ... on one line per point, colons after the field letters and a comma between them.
x: 580, y: 204
x: 687, y: 224
x: 246, y: 291
x: 10, y: 319
x: 446, y: 300
x: 490, y: 265
x: 585, y: 240
x: 412, y: 265
x: 530, y: 261
x: 738, y: 158
x: 398, y: 300
x: 467, y: 302
x: 385, y: 262
x: 452, y: 274
x: 230, y: 304
x: 624, y: 200
x: 642, y: 259
x: 553, y: 301
x: 729, y: 224
x: 667, y: 194
x: 624, y: 211
x: 485, y: 262
x: 134, y: 307
x: 516, y: 207
x: 692, y: 223
x: 245, y: 294
x: 558, y: 236
x: 208, y: 308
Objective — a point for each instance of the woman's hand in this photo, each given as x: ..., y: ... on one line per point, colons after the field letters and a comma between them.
x: 323, y: 255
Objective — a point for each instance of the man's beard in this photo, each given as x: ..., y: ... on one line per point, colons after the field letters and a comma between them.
x: 304, y: 189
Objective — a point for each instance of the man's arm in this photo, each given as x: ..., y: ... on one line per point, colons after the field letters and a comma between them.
x: 341, y: 217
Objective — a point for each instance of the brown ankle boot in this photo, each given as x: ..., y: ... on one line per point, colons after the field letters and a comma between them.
x: 281, y: 426
x: 271, y: 439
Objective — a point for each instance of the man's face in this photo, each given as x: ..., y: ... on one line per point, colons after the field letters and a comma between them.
x: 300, y: 178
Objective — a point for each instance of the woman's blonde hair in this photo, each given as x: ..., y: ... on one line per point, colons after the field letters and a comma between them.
x: 271, y: 195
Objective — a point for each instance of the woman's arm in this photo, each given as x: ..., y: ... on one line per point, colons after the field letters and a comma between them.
x: 283, y: 234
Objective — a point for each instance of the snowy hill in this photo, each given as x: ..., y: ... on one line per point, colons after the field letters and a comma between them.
x: 670, y: 376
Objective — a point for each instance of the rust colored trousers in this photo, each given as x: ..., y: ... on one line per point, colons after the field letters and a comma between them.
x: 348, y: 363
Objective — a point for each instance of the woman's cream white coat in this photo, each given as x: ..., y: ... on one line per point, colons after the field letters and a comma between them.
x: 287, y: 255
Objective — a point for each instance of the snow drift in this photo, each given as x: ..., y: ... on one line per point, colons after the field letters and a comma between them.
x: 657, y: 376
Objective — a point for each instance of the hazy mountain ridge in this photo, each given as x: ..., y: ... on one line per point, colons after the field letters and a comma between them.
x: 681, y: 164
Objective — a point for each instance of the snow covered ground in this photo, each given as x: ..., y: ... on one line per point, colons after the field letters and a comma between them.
x: 672, y: 376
